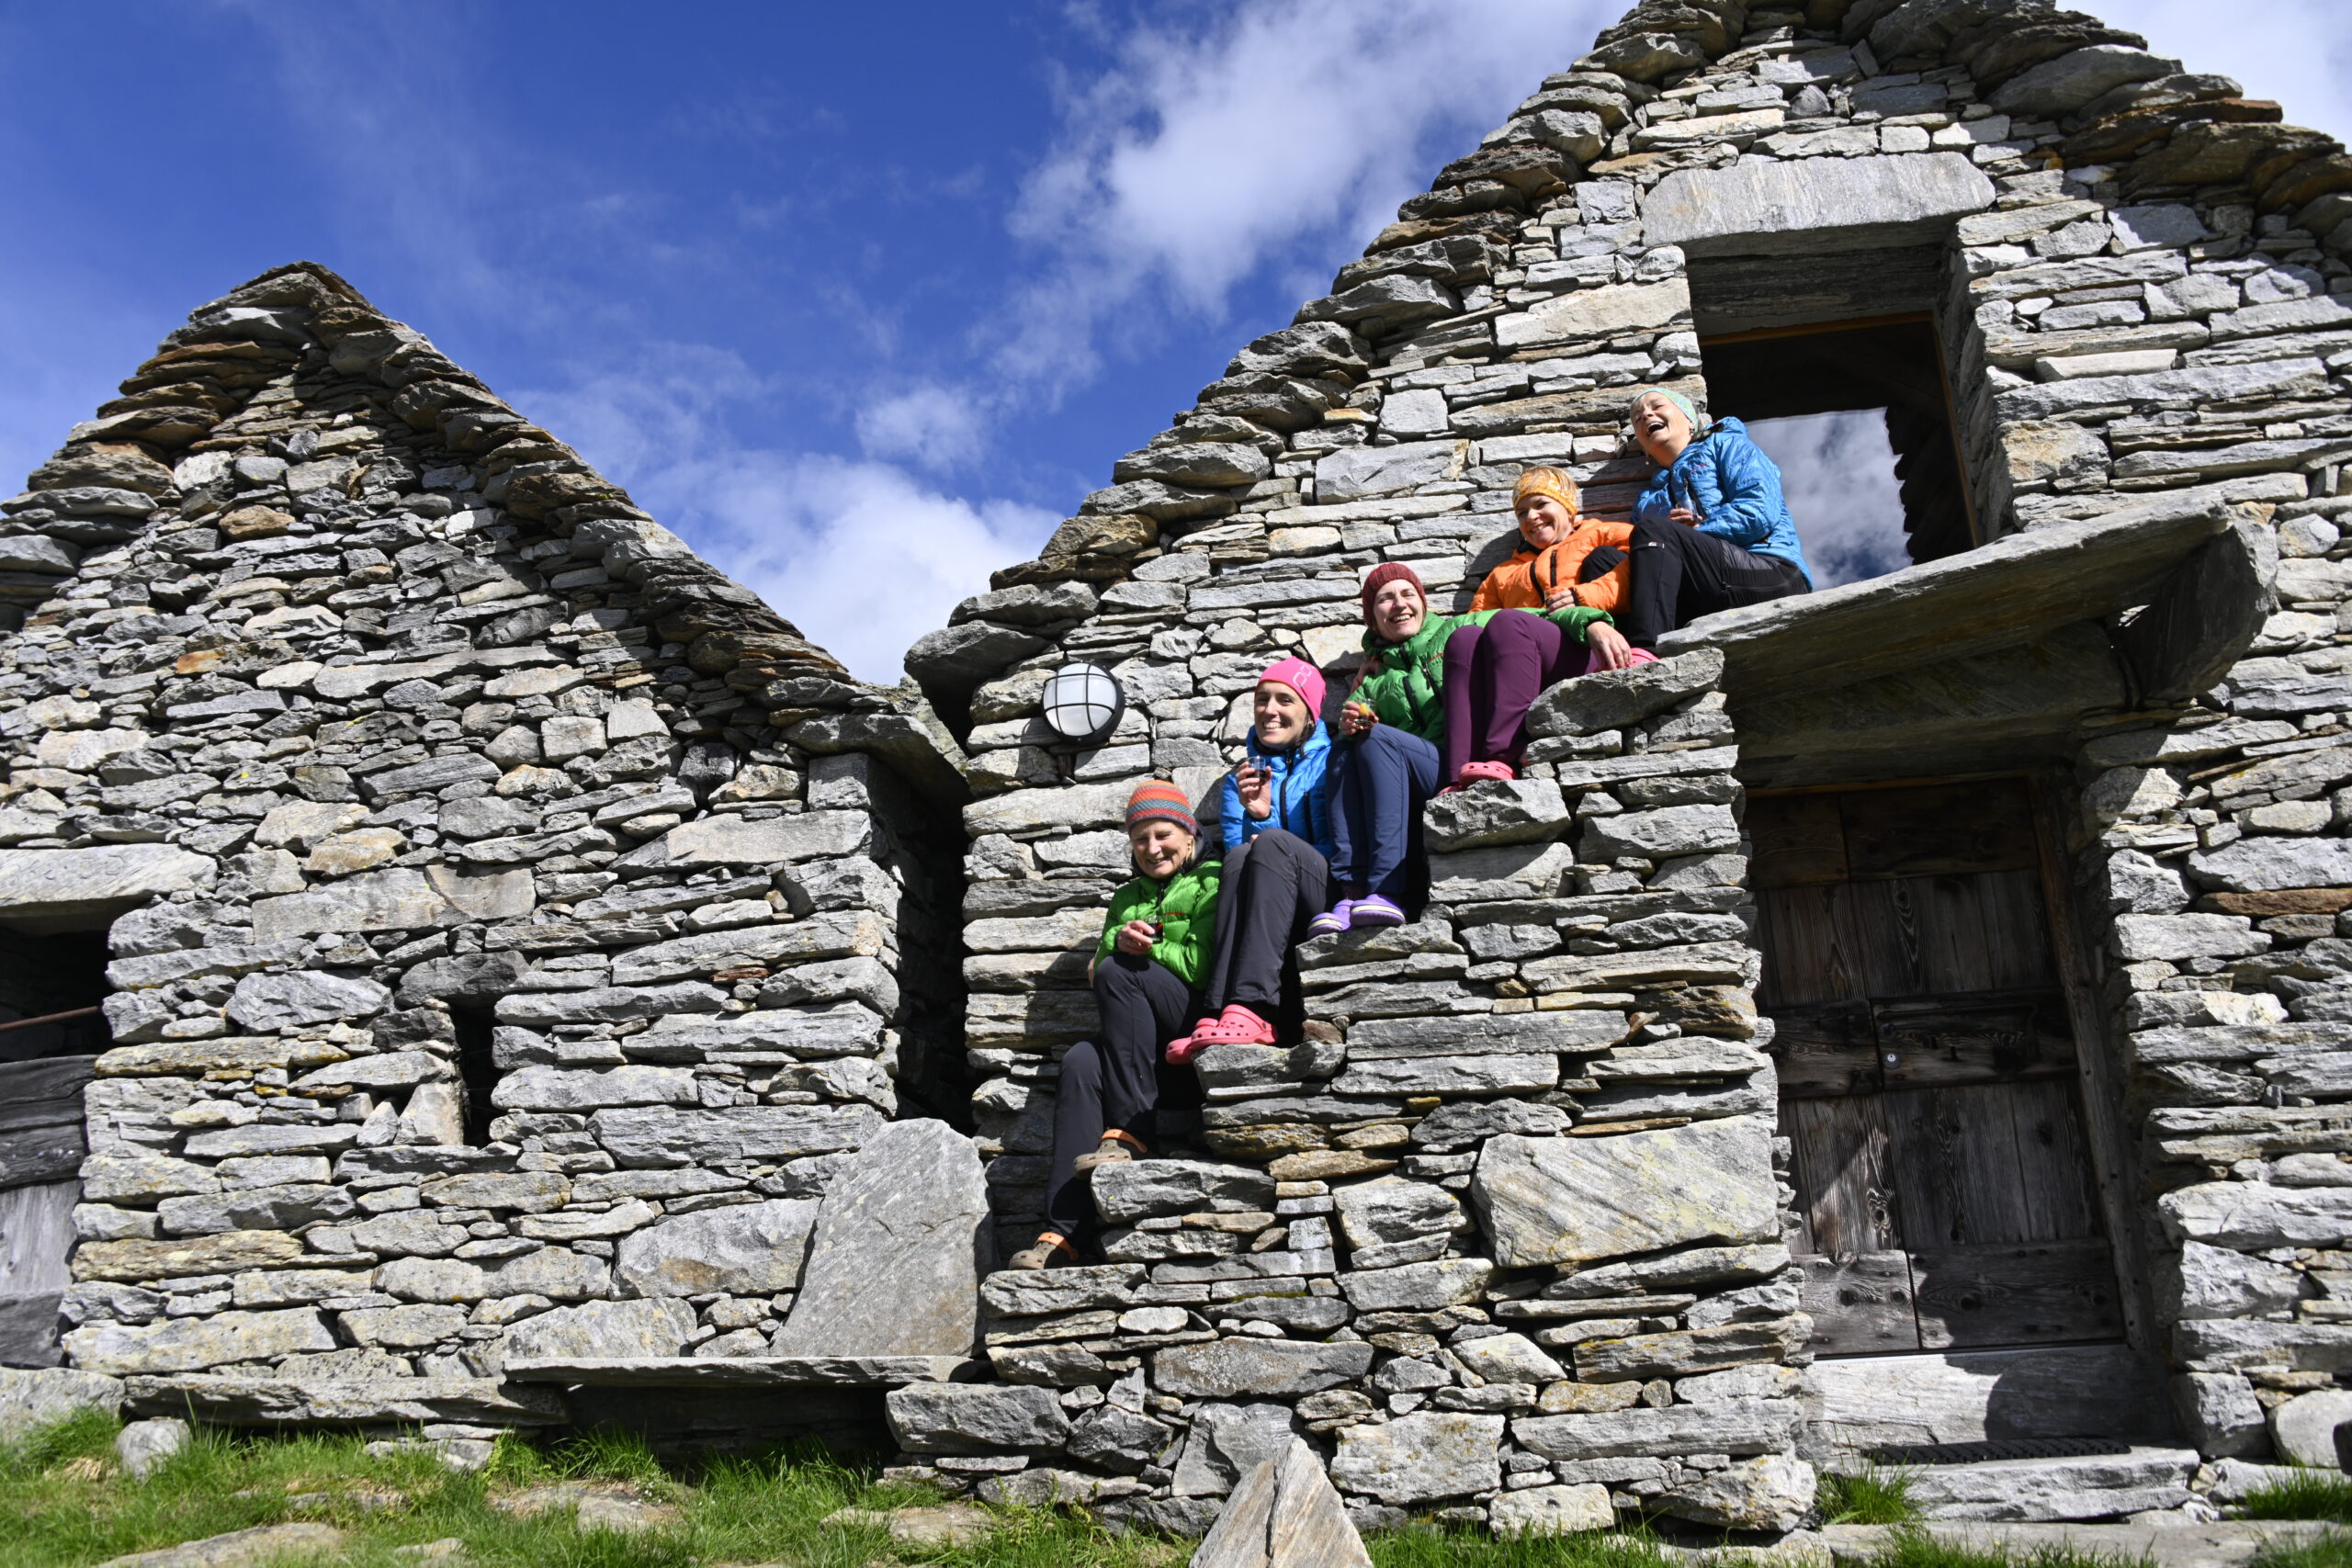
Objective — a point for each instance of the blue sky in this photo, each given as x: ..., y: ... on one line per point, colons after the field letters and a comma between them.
x: 859, y: 300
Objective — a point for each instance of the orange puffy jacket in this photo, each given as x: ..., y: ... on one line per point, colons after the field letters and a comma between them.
x: 1523, y: 581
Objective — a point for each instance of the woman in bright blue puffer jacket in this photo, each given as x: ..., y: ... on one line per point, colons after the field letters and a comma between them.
x: 1711, y: 530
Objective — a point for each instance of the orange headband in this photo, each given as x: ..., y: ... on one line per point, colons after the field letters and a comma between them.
x: 1546, y: 481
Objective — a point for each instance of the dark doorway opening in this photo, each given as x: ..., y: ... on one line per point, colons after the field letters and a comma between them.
x: 49, y: 990
x: 1858, y: 418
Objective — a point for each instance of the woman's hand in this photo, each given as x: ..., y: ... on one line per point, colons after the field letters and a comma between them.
x: 1684, y: 515
x: 1136, y: 938
x: 1356, y: 717
x: 1609, y: 646
x: 1560, y: 599
x: 1256, y: 787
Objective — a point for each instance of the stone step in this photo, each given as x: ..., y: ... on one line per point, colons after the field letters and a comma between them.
x: 2163, y: 1542
x: 777, y: 1371
x: 2097, y: 1487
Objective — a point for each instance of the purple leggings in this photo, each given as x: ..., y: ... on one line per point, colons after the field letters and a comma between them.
x: 1492, y: 673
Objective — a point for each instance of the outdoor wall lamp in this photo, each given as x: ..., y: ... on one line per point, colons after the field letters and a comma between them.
x: 1083, y: 703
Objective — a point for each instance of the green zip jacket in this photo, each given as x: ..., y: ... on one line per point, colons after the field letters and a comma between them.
x: 1407, y: 685
x: 1184, y: 906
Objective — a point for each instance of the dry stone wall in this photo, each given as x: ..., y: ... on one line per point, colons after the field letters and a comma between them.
x: 522, y: 910
x: 2138, y: 281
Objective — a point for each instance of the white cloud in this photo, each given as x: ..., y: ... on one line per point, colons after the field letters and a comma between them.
x: 1838, y: 472
x: 931, y: 424
x: 862, y: 556
x: 1207, y: 151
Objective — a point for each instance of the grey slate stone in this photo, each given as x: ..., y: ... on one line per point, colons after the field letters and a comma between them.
x: 1226, y: 1440
x: 663, y: 1136
x: 1229, y: 1368
x: 1420, y: 1458
x: 266, y: 1003
x: 1582, y: 1199
x: 1490, y: 812
x: 1611, y: 699
x: 602, y: 1329
x: 1762, y: 207
x: 746, y: 1249
x: 29, y: 1398
x: 976, y: 1418
x: 51, y: 889
x: 2304, y: 1429
x: 1285, y: 1514
x: 897, y: 1254
x: 1139, y: 1190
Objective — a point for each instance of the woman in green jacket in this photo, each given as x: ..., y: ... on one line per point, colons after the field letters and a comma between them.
x: 1419, y: 690
x: 1147, y: 972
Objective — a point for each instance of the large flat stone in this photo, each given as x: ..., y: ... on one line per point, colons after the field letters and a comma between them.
x: 234, y: 1400
x: 750, y: 1250
x: 1142, y: 1189
x: 57, y: 890
x: 618, y: 1330
x: 188, y: 1344
x: 976, y: 1418
x: 32, y: 1398
x: 1869, y: 1402
x: 1801, y: 205
x: 1420, y: 1458
x: 1606, y: 310
x: 238, y: 1549
x: 1733, y: 1426
x: 1579, y: 1200
x: 666, y: 1135
x: 737, y: 1372
x: 1228, y: 1369
x: 2012, y: 591
x: 895, y: 1260
x: 732, y: 840
x: 2097, y: 1487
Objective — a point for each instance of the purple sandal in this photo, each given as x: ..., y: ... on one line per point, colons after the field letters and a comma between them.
x: 1376, y: 911
x: 1333, y: 920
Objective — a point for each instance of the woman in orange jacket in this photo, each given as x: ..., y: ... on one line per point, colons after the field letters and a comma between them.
x: 1562, y: 560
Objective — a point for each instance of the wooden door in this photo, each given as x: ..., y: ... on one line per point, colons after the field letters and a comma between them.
x: 42, y: 1148
x: 1945, y: 1193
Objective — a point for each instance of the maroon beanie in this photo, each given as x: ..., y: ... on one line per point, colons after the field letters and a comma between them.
x: 1381, y: 576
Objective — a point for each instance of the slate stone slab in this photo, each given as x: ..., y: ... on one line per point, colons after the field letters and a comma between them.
x: 50, y: 889
x: 746, y: 1250
x: 1579, y: 1200
x: 896, y: 1258
x: 1285, y: 1514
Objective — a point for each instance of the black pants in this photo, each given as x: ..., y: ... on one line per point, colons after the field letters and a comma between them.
x: 1680, y: 574
x: 1273, y: 886
x: 1117, y: 1083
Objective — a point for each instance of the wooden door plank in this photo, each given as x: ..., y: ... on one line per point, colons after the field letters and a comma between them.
x: 2054, y: 1162
x: 2101, y: 1083
x: 1955, y: 1166
x: 2018, y: 940
x: 1841, y: 1173
x: 1988, y: 1037
x: 1826, y: 1052
x: 1811, y: 947
x: 44, y: 1093
x: 1887, y: 936
x: 1860, y: 1303
x: 2036, y: 1294
x: 1944, y: 830
x: 1948, y: 915
x: 1798, y: 840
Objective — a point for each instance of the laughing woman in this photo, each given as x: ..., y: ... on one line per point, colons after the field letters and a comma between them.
x: 1712, y: 529
x: 1406, y: 705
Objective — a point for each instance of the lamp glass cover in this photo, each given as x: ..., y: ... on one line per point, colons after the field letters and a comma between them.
x: 1082, y: 701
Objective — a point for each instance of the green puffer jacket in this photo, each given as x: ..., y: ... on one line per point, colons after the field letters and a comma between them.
x: 1406, y: 683
x: 1185, y: 908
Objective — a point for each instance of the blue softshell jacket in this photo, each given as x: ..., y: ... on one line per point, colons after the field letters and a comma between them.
x: 1302, y: 795
x: 1735, y: 489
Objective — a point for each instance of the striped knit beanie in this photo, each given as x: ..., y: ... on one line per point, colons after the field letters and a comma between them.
x: 1155, y: 801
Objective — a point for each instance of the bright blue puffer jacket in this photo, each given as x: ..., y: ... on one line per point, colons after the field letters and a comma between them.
x: 1735, y: 489
x: 1302, y: 798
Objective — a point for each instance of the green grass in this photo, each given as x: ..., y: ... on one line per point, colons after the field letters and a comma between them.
x: 1868, y: 1496
x: 1914, y: 1548
x: 2333, y: 1550
x: 2308, y: 1494
x: 1462, y: 1548
x: 68, y: 1506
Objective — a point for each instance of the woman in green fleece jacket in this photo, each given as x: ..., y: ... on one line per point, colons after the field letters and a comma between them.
x: 1424, y: 685
x: 1147, y: 971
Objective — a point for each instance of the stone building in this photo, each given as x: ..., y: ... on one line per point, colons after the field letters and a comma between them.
x: 1911, y: 1019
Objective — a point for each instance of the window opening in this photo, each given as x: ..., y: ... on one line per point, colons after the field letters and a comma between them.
x: 1858, y: 418
x: 477, y: 1069
x: 49, y: 990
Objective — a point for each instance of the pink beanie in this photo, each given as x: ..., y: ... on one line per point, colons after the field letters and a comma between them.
x: 1300, y: 677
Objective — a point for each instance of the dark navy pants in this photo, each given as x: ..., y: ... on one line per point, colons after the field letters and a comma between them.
x: 1117, y: 1082
x: 1385, y: 774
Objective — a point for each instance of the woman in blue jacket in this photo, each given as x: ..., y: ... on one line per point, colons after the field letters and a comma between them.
x: 1276, y: 811
x: 1711, y: 530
